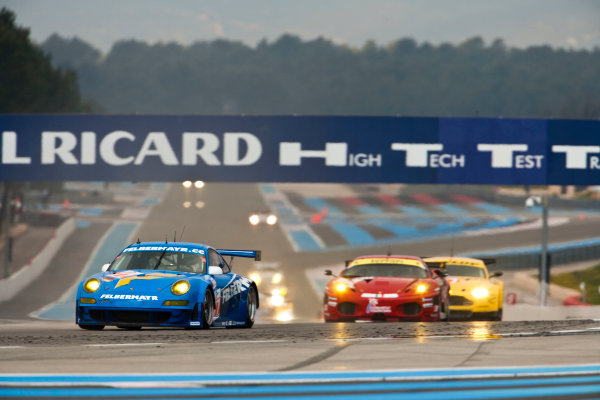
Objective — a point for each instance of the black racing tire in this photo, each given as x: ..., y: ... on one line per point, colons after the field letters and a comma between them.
x: 251, y: 307
x: 91, y: 327
x: 498, y: 316
x: 207, y: 311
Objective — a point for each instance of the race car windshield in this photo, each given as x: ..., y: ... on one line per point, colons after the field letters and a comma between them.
x: 170, y: 261
x: 391, y: 270
x: 464, y: 270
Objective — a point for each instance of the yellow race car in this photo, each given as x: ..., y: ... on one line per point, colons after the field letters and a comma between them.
x: 474, y: 293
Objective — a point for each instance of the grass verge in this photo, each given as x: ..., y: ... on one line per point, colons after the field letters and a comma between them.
x: 572, y: 280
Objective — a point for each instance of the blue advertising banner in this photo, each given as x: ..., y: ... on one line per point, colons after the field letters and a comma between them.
x: 299, y: 149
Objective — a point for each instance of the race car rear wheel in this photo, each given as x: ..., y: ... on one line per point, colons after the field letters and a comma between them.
x: 498, y: 316
x: 208, y: 310
x: 91, y: 327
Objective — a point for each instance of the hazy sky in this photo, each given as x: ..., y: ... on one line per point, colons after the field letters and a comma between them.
x: 520, y: 23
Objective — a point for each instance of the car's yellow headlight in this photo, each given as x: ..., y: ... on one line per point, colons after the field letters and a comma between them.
x: 341, y: 287
x: 479, y: 293
x: 276, y: 279
x: 91, y: 285
x: 422, y: 288
x: 180, y: 287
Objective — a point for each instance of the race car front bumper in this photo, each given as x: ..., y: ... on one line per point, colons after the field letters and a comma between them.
x: 469, y: 307
x: 409, y: 308
x: 121, y: 316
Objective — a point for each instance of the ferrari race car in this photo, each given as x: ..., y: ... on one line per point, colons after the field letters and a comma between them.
x: 391, y: 287
x: 474, y: 293
x: 171, y: 284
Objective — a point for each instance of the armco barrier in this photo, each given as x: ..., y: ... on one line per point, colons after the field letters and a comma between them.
x: 18, y: 281
x: 559, y: 254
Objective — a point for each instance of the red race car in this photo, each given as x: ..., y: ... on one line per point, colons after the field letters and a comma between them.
x: 386, y: 288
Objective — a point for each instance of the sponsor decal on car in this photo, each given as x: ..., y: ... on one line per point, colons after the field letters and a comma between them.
x: 380, y: 295
x: 373, y: 307
x: 138, y: 297
x: 404, y: 261
x: 126, y: 277
x: 234, y: 288
x: 165, y: 248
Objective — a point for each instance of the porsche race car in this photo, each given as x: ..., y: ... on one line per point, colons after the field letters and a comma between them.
x: 386, y: 288
x: 474, y: 292
x: 171, y: 284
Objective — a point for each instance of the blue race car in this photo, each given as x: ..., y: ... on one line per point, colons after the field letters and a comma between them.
x: 171, y: 284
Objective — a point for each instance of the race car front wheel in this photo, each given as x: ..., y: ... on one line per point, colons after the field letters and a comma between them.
x: 251, y: 306
x: 208, y: 310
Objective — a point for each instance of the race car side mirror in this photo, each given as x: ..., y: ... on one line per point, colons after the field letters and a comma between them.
x: 440, y: 273
x: 328, y: 272
x: 105, y: 267
x: 496, y: 274
x: 215, y: 270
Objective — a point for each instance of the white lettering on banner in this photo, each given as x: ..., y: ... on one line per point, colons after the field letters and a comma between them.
x: 364, y: 160
x: 595, y: 162
x: 528, y: 161
x: 60, y: 147
x: 107, y: 148
x: 420, y: 155
x: 502, y: 154
x: 210, y: 144
x: 416, y: 153
x: 446, y: 160
x: 9, y: 149
x: 157, y: 144
x: 59, y: 144
x: 88, y: 148
x: 291, y: 154
x: 576, y: 156
x: 231, y: 148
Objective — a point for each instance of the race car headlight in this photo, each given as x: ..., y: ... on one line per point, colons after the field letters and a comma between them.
x: 341, y: 287
x: 271, y: 219
x: 91, y: 285
x: 422, y: 288
x: 479, y: 293
x: 254, y: 219
x: 277, y: 298
x: 276, y: 280
x: 180, y: 287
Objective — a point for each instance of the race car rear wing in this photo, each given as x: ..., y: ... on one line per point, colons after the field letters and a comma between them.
x: 256, y: 254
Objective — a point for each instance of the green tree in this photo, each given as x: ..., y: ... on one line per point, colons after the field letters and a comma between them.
x: 28, y: 81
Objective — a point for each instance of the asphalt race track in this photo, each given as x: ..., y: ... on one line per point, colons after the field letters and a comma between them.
x: 218, y: 216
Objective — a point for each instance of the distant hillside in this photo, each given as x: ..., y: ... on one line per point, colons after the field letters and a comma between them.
x: 291, y: 76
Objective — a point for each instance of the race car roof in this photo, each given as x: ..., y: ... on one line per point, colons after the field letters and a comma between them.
x: 437, y: 262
